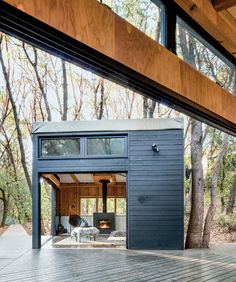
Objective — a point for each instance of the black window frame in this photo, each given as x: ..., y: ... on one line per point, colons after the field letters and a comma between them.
x: 110, y: 155
x: 211, y: 48
x: 83, y: 147
x: 40, y: 155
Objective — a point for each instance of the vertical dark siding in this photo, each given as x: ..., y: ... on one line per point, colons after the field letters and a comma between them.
x: 155, y: 190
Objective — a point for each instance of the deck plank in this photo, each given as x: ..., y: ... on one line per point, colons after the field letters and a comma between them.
x: 111, y: 265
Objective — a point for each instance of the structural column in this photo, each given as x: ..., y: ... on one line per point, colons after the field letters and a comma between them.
x: 53, y: 210
x: 36, y: 211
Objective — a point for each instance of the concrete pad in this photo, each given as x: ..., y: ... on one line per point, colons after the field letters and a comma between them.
x: 14, y: 242
x: 15, y: 229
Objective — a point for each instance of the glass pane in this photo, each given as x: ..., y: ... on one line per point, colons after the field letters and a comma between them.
x: 61, y: 147
x: 106, y: 146
x: 87, y: 206
x: 46, y: 206
x: 120, y: 206
x: 194, y: 50
x: 99, y: 204
x: 143, y: 14
x: 110, y: 205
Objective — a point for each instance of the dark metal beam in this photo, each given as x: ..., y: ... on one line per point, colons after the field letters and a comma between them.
x: 170, y: 31
x: 53, y: 210
x: 36, y: 211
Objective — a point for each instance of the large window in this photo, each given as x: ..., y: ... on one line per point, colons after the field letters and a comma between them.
x: 71, y: 147
x: 106, y: 146
x: 65, y: 147
x: 143, y: 14
x: 116, y: 205
x: 87, y: 206
x: 192, y: 48
x: 121, y: 206
x: 110, y: 205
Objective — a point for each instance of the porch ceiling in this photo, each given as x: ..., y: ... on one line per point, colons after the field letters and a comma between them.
x: 83, y: 178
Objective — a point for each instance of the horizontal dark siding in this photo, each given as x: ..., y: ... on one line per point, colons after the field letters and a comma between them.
x: 83, y: 165
x: 155, y: 190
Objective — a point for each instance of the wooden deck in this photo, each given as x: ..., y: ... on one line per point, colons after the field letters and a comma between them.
x: 116, y: 265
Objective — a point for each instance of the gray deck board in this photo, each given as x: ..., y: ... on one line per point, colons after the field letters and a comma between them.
x: 199, y: 270
x: 110, y: 265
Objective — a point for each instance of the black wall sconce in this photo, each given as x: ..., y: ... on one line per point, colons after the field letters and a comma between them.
x: 155, y: 148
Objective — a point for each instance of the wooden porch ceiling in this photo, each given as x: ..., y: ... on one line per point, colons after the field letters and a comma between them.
x: 60, y: 180
x: 220, y: 5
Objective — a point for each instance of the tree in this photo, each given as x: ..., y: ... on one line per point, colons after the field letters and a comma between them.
x: 34, y: 64
x: 214, y: 182
x: 65, y: 91
x: 15, y: 114
x: 194, y: 233
x: 5, y: 198
x: 232, y: 195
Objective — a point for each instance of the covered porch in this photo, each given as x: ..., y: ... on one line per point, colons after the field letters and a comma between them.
x: 99, y: 199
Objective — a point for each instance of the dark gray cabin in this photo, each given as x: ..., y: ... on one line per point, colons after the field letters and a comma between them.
x: 149, y: 151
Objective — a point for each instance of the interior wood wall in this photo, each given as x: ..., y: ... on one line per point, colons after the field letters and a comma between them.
x: 98, y: 27
x: 71, y: 194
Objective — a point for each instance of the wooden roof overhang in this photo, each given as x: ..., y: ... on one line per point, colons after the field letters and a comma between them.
x: 89, y: 33
x: 216, y: 18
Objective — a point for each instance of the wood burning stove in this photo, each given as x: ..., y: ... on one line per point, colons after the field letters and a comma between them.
x: 104, y: 224
x: 104, y: 221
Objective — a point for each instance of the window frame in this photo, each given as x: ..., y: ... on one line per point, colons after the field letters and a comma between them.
x: 106, y: 156
x: 41, y: 156
x: 182, y: 23
x: 83, y: 146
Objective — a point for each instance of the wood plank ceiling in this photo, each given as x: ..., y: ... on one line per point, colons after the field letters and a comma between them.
x: 220, y: 5
x: 217, y: 17
x: 83, y: 178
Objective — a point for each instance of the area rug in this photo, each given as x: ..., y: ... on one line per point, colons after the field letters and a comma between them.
x: 100, y: 242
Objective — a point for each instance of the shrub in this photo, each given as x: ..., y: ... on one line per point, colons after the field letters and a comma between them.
x: 228, y: 221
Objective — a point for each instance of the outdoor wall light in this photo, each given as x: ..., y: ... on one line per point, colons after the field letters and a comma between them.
x: 155, y: 148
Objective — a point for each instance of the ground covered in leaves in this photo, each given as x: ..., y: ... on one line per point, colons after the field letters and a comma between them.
x: 3, y: 229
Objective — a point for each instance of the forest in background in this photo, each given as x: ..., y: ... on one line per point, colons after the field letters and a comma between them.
x: 37, y: 86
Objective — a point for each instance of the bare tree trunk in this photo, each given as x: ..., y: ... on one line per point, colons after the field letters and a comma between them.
x: 232, y: 195
x: 5, y: 201
x: 152, y: 108
x: 19, y: 204
x: 145, y: 107
x: 102, y: 101
x: 65, y: 92
x: 99, y: 106
x: 222, y: 198
x: 16, y: 119
x: 39, y: 80
x: 214, y: 181
x: 194, y: 233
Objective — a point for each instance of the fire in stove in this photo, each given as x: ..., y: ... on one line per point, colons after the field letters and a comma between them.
x: 104, y: 224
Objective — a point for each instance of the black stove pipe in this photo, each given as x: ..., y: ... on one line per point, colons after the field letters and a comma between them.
x: 104, y: 194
